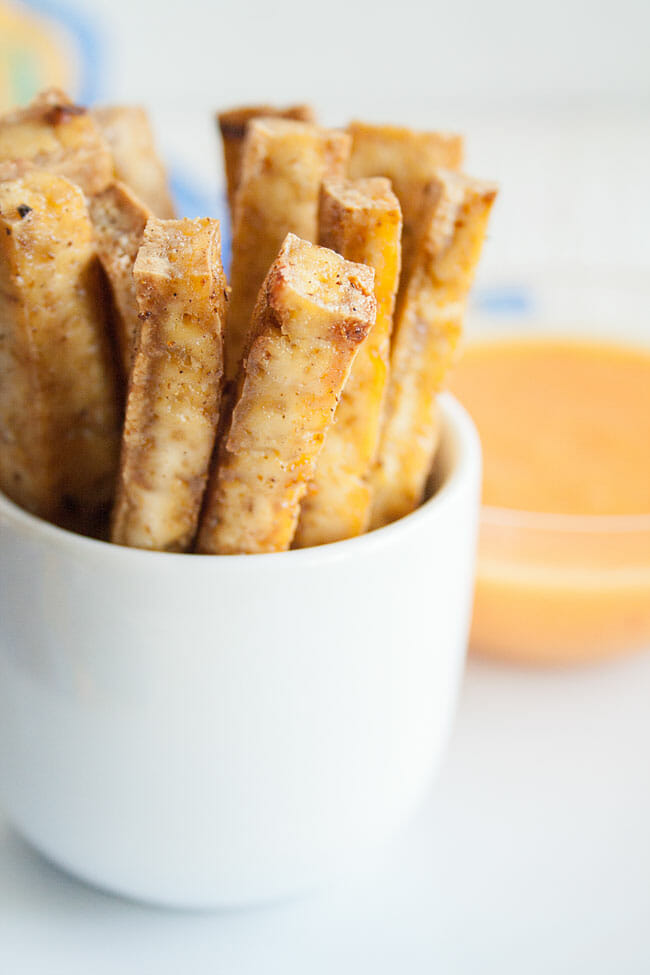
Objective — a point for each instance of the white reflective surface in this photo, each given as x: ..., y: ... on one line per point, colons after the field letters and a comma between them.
x: 532, y: 856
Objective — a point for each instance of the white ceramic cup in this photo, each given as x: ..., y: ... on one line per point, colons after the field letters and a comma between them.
x: 218, y: 730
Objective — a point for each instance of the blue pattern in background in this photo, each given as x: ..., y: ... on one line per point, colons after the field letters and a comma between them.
x: 87, y: 34
x: 506, y: 300
x: 191, y: 200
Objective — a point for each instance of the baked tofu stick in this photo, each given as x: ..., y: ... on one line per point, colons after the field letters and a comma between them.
x: 428, y: 321
x: 409, y: 159
x: 15, y: 169
x: 313, y: 311
x: 56, y: 135
x: 128, y: 132
x: 119, y: 219
x: 173, y: 404
x: 283, y: 165
x: 233, y: 125
x: 362, y: 221
x: 59, y: 437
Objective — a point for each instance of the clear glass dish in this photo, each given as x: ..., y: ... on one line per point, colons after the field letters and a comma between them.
x: 562, y: 588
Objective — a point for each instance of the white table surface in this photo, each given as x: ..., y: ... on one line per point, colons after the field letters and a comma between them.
x: 532, y: 854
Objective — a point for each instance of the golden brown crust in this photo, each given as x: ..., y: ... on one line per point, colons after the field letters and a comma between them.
x: 59, y: 436
x: 409, y: 159
x: 313, y: 311
x: 56, y: 135
x: 283, y: 165
x: 128, y: 132
x: 173, y: 402
x: 233, y: 126
x: 428, y: 321
x: 361, y: 220
x: 119, y: 219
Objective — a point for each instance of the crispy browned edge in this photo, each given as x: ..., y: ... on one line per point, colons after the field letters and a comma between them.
x: 155, y: 296
x: 75, y: 491
x: 119, y: 219
x: 81, y: 153
x: 428, y: 323
x: 129, y: 134
x: 409, y: 158
x: 349, y: 326
x: 233, y: 126
x: 361, y: 220
x: 265, y: 216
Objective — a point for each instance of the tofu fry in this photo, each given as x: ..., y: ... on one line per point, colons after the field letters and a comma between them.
x: 15, y: 169
x: 63, y: 138
x: 173, y: 403
x: 59, y: 436
x: 362, y: 221
x: 284, y: 162
x: 119, y: 220
x: 128, y: 132
x: 428, y: 322
x: 314, y: 310
x: 409, y: 159
x: 233, y: 125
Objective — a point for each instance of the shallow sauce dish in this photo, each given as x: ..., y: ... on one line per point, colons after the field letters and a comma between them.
x: 218, y: 730
x: 554, y: 588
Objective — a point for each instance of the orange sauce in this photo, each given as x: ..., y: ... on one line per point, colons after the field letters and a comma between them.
x: 565, y: 428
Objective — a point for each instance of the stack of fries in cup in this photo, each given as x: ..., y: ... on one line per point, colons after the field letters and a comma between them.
x: 144, y: 399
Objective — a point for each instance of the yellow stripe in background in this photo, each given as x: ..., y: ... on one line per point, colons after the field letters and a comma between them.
x: 34, y: 54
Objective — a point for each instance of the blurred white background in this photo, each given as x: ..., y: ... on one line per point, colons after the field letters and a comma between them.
x: 503, y: 52
x: 554, y: 97
x: 378, y: 53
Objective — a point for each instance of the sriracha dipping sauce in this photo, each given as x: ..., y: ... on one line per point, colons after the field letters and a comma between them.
x: 564, y: 557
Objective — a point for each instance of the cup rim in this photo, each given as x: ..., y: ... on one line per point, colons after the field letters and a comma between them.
x: 467, y: 451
